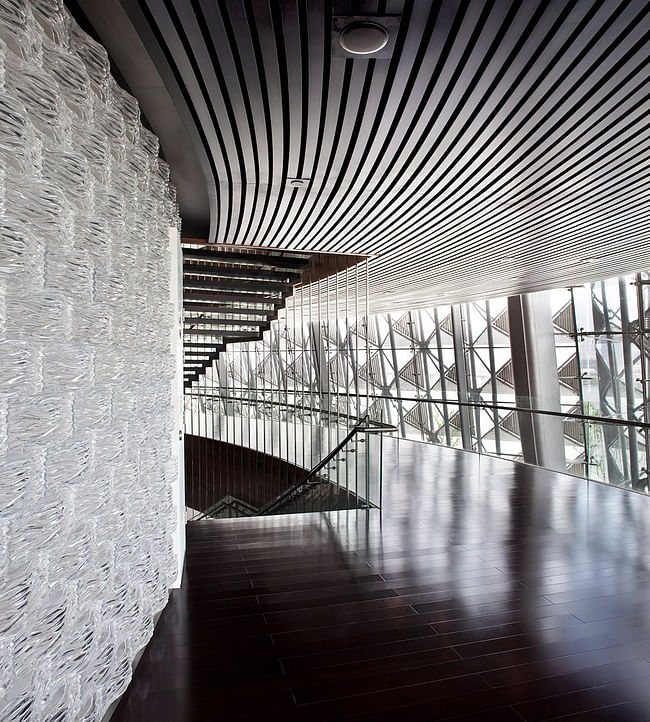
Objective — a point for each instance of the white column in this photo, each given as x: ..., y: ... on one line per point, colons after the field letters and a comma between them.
x: 536, y: 379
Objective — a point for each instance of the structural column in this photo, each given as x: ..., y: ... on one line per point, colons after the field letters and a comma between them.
x: 461, y: 379
x: 536, y: 379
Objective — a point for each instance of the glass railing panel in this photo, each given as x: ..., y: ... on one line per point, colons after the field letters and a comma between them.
x: 339, y: 484
x: 616, y: 455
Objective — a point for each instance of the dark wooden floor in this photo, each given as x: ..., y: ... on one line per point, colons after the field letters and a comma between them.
x: 484, y: 591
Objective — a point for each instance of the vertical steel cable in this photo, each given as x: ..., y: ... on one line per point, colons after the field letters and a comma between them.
x: 346, y: 359
x: 201, y: 446
x: 224, y: 357
x: 337, y: 348
x: 327, y: 364
x: 356, y: 371
x: 312, y: 359
x: 241, y: 417
x: 295, y: 385
x: 185, y: 425
x: 318, y: 340
x: 273, y: 338
x: 368, y: 376
x: 214, y: 411
x: 285, y: 376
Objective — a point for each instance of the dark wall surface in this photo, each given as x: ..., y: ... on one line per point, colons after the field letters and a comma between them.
x: 214, y: 469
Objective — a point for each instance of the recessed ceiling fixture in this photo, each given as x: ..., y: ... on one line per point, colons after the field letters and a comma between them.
x: 297, y: 182
x: 363, y: 38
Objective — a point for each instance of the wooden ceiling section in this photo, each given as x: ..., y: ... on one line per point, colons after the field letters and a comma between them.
x: 502, y: 147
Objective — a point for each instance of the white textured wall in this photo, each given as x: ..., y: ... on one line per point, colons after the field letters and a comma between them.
x: 86, y: 373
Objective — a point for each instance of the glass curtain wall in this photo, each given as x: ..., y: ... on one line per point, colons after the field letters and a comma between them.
x: 442, y: 375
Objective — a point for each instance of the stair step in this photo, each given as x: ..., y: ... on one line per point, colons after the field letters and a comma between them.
x: 193, y: 269
x: 275, y: 287
x: 254, y: 259
x: 254, y: 299
x: 207, y: 321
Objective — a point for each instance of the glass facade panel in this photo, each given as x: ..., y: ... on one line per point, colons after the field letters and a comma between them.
x: 447, y: 376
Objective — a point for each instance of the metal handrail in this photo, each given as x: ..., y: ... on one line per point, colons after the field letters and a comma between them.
x: 295, y: 487
x: 221, y: 505
x: 364, y: 425
x: 443, y: 402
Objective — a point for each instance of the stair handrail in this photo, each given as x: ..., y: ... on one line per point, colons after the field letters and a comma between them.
x: 365, y: 425
x: 218, y: 506
x: 359, y: 426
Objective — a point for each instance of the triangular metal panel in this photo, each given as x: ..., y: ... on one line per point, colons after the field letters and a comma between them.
x: 452, y: 374
x: 265, y: 369
x: 413, y: 372
x: 365, y: 330
x: 569, y: 373
x: 510, y: 423
x: 506, y: 374
x: 418, y: 417
x: 371, y: 371
x: 502, y: 322
x: 564, y: 319
x: 446, y: 325
x: 405, y: 326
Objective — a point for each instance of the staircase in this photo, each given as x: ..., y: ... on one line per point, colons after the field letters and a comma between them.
x: 314, y: 497
x: 232, y: 297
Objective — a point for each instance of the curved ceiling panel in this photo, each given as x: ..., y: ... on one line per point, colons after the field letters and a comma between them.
x: 500, y: 147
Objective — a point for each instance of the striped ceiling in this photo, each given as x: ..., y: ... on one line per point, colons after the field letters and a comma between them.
x: 503, y: 147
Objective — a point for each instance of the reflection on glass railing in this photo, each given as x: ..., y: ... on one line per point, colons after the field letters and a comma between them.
x: 303, y: 428
x: 347, y: 477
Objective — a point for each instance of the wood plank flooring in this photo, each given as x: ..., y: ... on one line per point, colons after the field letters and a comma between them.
x: 484, y: 590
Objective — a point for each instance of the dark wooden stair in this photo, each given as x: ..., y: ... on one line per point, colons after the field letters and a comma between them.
x: 231, y: 297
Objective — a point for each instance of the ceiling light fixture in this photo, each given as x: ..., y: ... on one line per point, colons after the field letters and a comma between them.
x: 363, y: 38
x: 298, y: 182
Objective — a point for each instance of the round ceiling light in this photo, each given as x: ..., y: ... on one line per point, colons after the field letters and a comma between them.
x: 363, y: 38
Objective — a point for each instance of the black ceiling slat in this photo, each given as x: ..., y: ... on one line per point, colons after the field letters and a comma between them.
x: 266, y: 183
x: 386, y: 90
x: 480, y: 212
x: 303, y: 36
x: 339, y: 180
x: 246, y: 99
x: 285, y: 195
x: 208, y: 42
x: 478, y: 191
x: 408, y: 163
x: 437, y: 72
x: 498, y: 128
x: 326, y: 97
x: 474, y: 142
x: 215, y: 124
x: 343, y: 95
